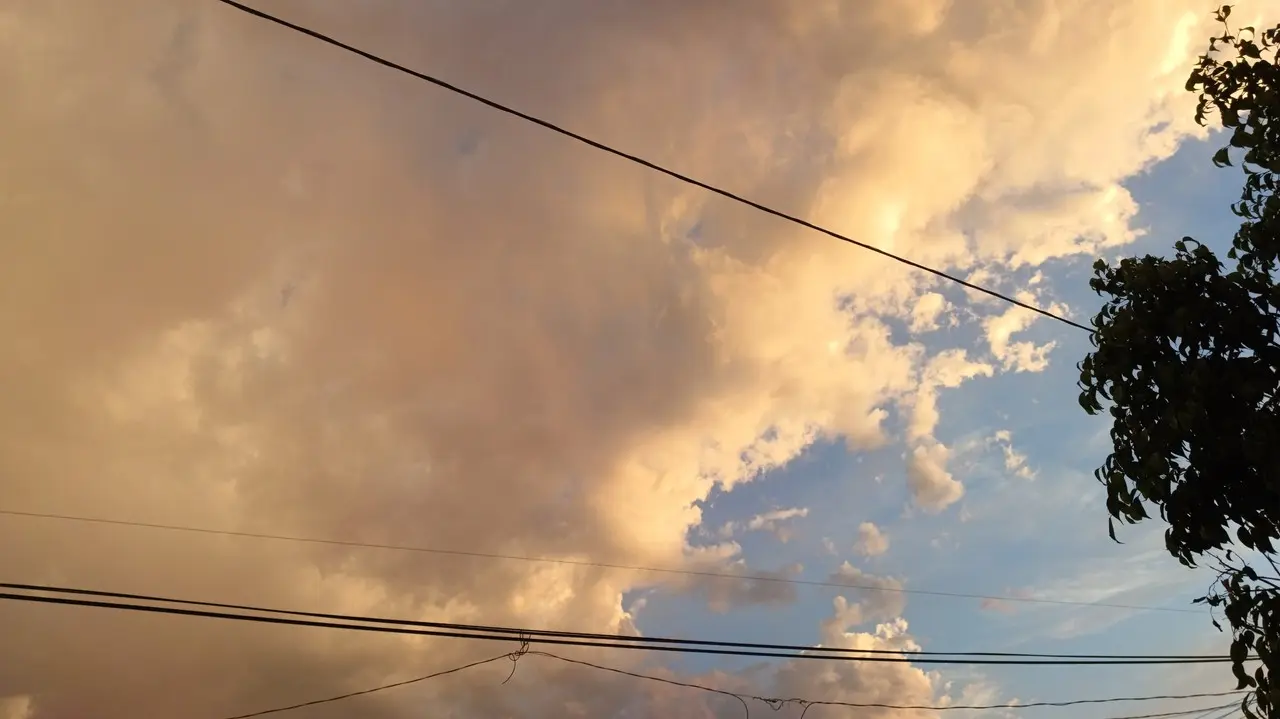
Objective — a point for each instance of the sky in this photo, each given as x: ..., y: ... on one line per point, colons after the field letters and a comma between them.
x: 252, y: 283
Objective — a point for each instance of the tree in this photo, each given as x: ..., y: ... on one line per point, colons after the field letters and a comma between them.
x: 1186, y: 359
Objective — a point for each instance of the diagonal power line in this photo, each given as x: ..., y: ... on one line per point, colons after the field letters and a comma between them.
x: 643, y: 162
x: 527, y: 637
x: 584, y: 563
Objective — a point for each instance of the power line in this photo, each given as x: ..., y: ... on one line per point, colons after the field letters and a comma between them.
x: 586, y: 563
x: 1221, y: 715
x: 1206, y: 710
x: 522, y: 634
x: 775, y: 703
x: 406, y: 630
x: 778, y: 703
x: 643, y: 162
x: 349, y: 695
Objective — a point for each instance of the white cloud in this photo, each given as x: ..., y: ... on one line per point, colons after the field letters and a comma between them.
x: 871, y: 541
x: 870, y: 683
x: 301, y: 294
x: 1015, y: 462
x: 880, y: 598
x: 928, y: 309
x: 1021, y: 356
x: 776, y: 522
x: 1145, y: 578
x: 947, y: 369
x: 933, y: 489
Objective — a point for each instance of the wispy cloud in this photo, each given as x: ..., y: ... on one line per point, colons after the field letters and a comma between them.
x: 776, y: 522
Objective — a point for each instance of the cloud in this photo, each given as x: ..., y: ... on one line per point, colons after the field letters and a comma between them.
x: 881, y: 598
x: 871, y: 541
x: 1004, y: 606
x: 774, y: 521
x: 947, y: 369
x: 257, y: 284
x: 762, y: 588
x: 998, y: 605
x: 1015, y: 462
x: 1021, y: 356
x: 933, y: 489
x: 1144, y: 578
x: 870, y: 683
x: 929, y: 308
x: 18, y: 707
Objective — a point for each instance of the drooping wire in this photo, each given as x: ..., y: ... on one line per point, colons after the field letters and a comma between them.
x: 1230, y: 707
x: 525, y: 635
x: 643, y: 162
x: 778, y: 702
x: 584, y: 563
x: 384, y: 687
x: 775, y: 703
x: 1220, y: 715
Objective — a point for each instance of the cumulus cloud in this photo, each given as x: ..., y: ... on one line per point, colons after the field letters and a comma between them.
x: 933, y: 489
x: 871, y: 541
x: 928, y: 309
x: 947, y: 369
x: 880, y: 598
x: 870, y: 683
x: 1019, y: 356
x: 256, y: 284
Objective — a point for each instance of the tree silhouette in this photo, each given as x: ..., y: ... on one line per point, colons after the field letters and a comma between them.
x: 1186, y: 361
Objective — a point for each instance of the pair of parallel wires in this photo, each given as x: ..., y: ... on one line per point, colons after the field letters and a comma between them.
x: 526, y: 639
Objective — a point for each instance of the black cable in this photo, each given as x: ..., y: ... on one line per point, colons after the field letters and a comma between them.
x: 584, y: 563
x: 1205, y: 710
x: 1221, y: 715
x: 580, y: 643
x: 778, y: 702
x: 349, y: 695
x: 775, y: 703
x: 641, y: 161
x: 521, y: 633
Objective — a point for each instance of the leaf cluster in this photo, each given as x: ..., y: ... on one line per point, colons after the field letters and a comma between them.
x: 1187, y: 364
x: 1243, y: 91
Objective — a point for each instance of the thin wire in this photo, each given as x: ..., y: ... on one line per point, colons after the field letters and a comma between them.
x: 740, y: 697
x: 585, y: 563
x: 340, y: 697
x: 521, y: 633
x: 776, y: 702
x: 1222, y: 715
x: 1184, y: 712
x: 579, y: 643
x: 641, y: 161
